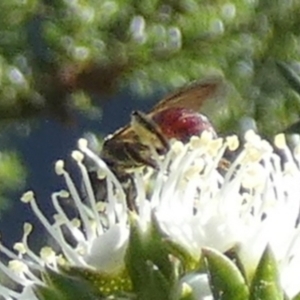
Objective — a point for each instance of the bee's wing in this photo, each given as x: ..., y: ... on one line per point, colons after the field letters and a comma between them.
x: 193, y: 96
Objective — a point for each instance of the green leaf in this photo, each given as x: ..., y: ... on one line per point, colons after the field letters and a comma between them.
x: 158, y: 252
x: 105, y: 284
x: 136, y: 259
x: 159, y: 287
x: 148, y: 264
x: 233, y: 256
x: 188, y: 262
x: 68, y: 287
x: 297, y: 297
x: 47, y: 293
x: 266, y: 284
x: 226, y: 281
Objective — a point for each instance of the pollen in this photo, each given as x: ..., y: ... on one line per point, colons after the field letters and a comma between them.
x: 194, y: 171
x: 195, y: 142
x: 27, y: 197
x: 17, y: 266
x: 252, y: 137
x: 82, y: 144
x: 280, y: 141
x: 64, y: 194
x: 48, y: 255
x: 232, y: 142
x: 215, y: 146
x: 77, y: 155
x: 20, y: 248
x: 59, y: 167
x: 177, y: 147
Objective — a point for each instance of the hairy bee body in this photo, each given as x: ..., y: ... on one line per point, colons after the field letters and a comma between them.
x: 175, y: 117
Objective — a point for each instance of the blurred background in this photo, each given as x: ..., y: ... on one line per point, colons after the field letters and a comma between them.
x: 69, y: 67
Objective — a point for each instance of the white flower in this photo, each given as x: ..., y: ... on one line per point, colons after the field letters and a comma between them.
x: 197, y: 199
x: 255, y: 204
x: 100, y: 235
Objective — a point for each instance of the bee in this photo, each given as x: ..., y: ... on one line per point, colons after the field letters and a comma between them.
x: 174, y: 117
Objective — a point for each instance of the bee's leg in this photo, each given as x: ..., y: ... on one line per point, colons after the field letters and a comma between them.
x: 99, y: 187
x: 128, y: 184
x: 149, y: 132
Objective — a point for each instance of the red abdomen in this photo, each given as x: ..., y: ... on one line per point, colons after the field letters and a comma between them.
x: 181, y: 123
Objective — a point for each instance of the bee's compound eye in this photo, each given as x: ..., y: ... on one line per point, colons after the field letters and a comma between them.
x: 182, y: 123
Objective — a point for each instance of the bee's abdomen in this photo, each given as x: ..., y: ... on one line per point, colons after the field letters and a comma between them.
x: 182, y: 124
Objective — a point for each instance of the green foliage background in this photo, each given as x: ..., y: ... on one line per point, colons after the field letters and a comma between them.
x: 55, y: 55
